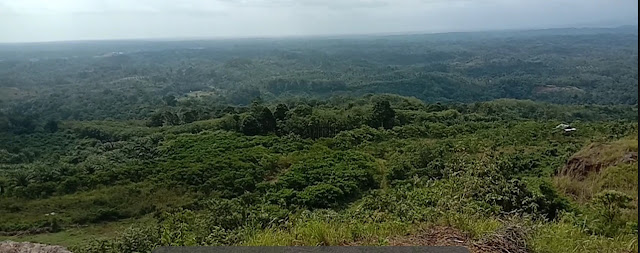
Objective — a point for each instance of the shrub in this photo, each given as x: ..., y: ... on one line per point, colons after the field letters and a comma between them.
x: 321, y: 195
x: 609, y: 203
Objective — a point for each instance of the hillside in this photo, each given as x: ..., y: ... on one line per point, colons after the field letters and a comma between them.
x: 322, y: 165
x: 443, y: 139
x: 128, y: 79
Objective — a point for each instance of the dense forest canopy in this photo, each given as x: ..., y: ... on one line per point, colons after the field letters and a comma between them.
x: 344, y: 140
x: 127, y: 79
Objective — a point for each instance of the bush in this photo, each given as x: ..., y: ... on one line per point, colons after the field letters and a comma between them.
x: 324, y: 173
x: 609, y: 203
x: 321, y: 195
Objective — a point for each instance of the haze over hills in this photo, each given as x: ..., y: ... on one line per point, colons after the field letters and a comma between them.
x: 554, y: 65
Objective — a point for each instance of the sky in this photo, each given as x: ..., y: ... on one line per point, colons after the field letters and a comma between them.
x: 56, y: 20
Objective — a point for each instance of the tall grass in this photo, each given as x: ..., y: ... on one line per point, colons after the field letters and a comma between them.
x: 475, y: 226
x: 322, y: 233
x: 566, y: 238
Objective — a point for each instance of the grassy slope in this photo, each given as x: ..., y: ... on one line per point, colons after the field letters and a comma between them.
x: 79, y: 235
x: 615, y: 174
x: 547, y: 237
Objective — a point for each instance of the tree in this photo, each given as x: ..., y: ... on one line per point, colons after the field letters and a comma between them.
x: 170, y: 100
x: 189, y: 116
x: 266, y: 120
x: 156, y: 120
x: 302, y: 110
x: 383, y: 114
x: 250, y: 125
x: 4, y: 184
x: 22, y: 124
x: 170, y: 118
x: 321, y: 195
x: 51, y: 126
x: 264, y: 116
x: 242, y: 96
x: 281, y: 112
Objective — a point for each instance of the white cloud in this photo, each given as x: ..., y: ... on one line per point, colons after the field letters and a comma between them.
x: 37, y: 20
x: 111, y: 6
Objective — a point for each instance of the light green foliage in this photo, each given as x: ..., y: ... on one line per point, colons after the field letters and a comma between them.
x: 564, y: 237
x: 96, y: 206
x: 324, y: 178
x: 293, y: 142
x: 327, y: 229
x: 459, y: 168
x: 609, y: 204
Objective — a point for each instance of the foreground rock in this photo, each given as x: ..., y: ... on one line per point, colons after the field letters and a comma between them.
x: 29, y: 247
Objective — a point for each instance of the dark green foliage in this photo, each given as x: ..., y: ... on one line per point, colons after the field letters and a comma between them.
x: 156, y: 120
x: 139, y: 239
x: 324, y: 156
x: 592, y: 67
x: 321, y: 195
x: 302, y: 110
x: 260, y: 120
x: 170, y: 100
x: 20, y: 124
x: 281, y: 112
x: 170, y: 118
x: 266, y: 119
x: 282, y: 85
x: 383, y: 115
x: 251, y: 126
x: 549, y: 203
x: 258, y: 134
x: 51, y: 126
x: 189, y: 116
x: 327, y: 178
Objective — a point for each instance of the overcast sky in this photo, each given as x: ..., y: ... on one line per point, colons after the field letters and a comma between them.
x: 51, y: 20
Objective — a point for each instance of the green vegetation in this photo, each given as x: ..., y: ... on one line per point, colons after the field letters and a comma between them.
x: 265, y: 145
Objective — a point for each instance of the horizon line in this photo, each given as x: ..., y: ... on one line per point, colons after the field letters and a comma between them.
x: 289, y: 36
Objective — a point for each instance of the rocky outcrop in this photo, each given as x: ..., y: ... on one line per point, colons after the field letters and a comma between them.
x: 595, y: 157
x: 29, y: 247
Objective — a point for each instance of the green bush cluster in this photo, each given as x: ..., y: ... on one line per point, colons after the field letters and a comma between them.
x: 209, y: 182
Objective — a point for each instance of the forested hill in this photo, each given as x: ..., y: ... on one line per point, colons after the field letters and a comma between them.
x: 511, y: 141
x: 128, y: 79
